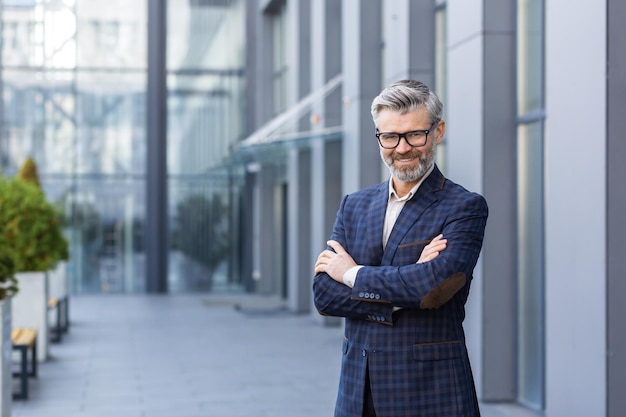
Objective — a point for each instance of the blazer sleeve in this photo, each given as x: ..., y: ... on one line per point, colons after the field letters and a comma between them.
x: 431, y: 284
x: 332, y: 298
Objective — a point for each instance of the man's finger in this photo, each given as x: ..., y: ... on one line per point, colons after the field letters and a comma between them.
x: 336, y: 246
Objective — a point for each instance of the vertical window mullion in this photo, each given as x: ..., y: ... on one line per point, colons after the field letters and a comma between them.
x: 530, y: 207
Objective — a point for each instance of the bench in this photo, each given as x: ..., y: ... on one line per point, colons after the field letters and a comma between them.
x: 24, y: 340
x: 61, y: 324
x: 56, y: 332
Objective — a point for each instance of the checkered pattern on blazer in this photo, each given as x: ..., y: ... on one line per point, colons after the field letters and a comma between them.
x: 416, y: 356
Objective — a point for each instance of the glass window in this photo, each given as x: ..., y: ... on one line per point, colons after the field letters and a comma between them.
x: 74, y: 79
x: 530, y: 56
x: 205, y: 120
x: 279, y: 68
x: 530, y: 265
x: 74, y: 91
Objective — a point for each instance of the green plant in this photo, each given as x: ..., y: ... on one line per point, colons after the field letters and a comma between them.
x: 8, y: 283
x: 202, y: 230
x: 30, y: 226
x: 28, y: 173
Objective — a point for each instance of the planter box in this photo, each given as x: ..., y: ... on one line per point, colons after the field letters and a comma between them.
x: 58, y: 288
x: 30, y: 308
x: 57, y: 281
x: 6, y: 378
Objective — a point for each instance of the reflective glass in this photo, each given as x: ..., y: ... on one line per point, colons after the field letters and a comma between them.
x: 530, y: 56
x: 73, y: 97
x: 74, y: 79
x: 206, y: 49
x: 530, y: 266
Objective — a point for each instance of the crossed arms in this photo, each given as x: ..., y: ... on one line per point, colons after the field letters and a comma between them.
x: 337, y: 262
x: 442, y: 270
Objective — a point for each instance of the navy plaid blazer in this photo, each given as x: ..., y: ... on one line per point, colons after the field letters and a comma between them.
x: 416, y: 355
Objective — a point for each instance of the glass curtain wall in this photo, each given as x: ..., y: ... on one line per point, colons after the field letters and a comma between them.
x: 73, y: 97
x: 279, y: 62
x: 73, y: 77
x: 530, y: 92
x: 205, y: 84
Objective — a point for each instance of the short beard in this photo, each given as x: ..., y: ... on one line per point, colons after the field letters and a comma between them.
x: 426, y: 159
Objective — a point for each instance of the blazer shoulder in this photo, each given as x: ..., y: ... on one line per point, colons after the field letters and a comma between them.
x: 369, y: 192
x: 457, y: 192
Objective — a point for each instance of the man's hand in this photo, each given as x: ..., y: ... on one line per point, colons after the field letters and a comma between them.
x: 336, y: 263
x: 431, y: 251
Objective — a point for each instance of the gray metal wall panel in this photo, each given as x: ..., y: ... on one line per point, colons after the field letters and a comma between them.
x: 616, y: 207
x: 267, y: 241
x: 299, y: 229
x: 361, y: 38
x: 333, y: 61
x: 325, y: 191
x: 422, y: 42
x: 156, y: 192
x: 299, y: 162
x: 499, y: 250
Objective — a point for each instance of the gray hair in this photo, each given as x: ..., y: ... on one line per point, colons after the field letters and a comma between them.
x: 405, y: 96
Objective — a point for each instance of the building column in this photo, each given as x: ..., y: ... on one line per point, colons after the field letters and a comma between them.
x: 616, y: 206
x: 299, y: 268
x: 362, y: 80
x: 481, y: 154
x: 267, y: 249
x: 499, y: 171
x: 299, y: 160
x: 409, y: 40
x: 575, y: 207
x: 464, y: 136
x: 156, y: 174
x: 325, y: 156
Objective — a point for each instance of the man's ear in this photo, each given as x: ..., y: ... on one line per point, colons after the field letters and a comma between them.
x: 440, y: 130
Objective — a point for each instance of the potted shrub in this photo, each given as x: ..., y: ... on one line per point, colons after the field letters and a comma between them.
x: 57, y: 276
x: 8, y: 287
x: 8, y: 283
x: 32, y: 230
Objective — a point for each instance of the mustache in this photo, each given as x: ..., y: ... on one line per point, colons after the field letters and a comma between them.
x: 408, y: 155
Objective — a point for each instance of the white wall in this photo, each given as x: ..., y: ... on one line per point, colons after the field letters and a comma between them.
x: 575, y: 165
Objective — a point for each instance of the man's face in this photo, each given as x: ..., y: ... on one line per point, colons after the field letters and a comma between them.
x: 407, y: 163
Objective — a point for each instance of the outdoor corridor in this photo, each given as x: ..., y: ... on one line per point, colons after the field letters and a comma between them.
x: 189, y: 356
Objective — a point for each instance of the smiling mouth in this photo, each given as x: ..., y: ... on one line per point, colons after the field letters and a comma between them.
x: 405, y: 159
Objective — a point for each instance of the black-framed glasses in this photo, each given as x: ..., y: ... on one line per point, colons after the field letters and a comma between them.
x: 414, y: 138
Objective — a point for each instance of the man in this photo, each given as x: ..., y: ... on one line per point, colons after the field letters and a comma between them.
x: 398, y: 267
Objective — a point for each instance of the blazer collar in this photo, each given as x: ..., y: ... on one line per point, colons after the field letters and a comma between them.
x: 412, y: 210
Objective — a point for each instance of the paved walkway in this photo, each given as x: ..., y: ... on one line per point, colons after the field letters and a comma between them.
x: 189, y: 356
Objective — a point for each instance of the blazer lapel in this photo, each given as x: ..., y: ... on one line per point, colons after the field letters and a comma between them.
x: 375, y: 223
x: 411, y: 212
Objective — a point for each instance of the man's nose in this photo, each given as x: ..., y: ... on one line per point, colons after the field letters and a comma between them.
x: 403, y: 146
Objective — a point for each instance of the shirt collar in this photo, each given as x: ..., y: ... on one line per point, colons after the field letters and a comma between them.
x: 413, y: 190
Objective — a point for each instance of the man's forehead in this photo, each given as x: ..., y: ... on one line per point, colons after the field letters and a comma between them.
x: 394, y: 116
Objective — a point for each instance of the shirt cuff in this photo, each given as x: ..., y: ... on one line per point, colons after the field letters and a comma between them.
x: 350, y: 276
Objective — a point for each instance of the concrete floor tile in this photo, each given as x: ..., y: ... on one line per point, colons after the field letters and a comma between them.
x: 190, y: 356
